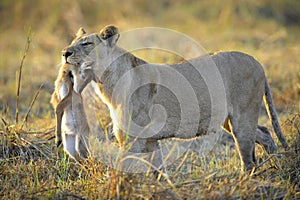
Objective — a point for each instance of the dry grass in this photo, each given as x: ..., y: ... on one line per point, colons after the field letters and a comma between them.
x: 32, y: 167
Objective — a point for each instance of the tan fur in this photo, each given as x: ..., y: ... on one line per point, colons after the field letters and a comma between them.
x: 263, y: 138
x: 59, y: 103
x: 71, y: 126
x: 243, y: 77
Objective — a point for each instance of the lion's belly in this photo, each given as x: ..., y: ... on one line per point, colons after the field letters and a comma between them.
x: 182, y: 105
x: 186, y: 118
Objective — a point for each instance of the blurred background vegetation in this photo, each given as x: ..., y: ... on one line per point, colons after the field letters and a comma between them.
x: 267, y: 29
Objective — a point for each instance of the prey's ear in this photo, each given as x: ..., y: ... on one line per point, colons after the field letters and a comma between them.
x: 109, y: 35
x: 80, y: 32
x: 86, y: 65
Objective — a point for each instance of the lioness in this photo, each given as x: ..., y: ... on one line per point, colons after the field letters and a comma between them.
x: 243, y: 79
x: 71, y: 125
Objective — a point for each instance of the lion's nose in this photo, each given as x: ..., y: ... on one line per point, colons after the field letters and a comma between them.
x: 67, y: 53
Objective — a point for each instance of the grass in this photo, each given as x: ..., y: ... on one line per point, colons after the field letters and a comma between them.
x: 55, y: 176
x: 32, y: 167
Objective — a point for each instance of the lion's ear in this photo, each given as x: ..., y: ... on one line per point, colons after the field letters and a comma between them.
x: 109, y: 35
x: 80, y: 32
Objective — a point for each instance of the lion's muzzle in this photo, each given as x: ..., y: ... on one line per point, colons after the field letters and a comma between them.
x: 67, y: 52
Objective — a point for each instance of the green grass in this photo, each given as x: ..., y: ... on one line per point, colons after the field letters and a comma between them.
x: 32, y: 167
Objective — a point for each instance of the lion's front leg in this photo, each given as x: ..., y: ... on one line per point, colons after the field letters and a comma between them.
x: 246, y: 148
x: 121, y: 138
x: 243, y: 130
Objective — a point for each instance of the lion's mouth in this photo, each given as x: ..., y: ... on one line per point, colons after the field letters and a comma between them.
x: 66, y: 60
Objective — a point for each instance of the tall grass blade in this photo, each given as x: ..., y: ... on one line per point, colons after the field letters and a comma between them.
x: 19, y: 75
x: 31, y: 104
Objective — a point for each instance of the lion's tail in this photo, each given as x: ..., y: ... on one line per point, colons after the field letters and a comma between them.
x: 268, y: 99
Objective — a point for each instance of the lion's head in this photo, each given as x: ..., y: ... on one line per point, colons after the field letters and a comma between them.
x: 84, y: 44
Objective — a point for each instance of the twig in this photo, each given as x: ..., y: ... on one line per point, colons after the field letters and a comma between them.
x: 31, y: 104
x: 52, y: 137
x: 199, y: 180
x: 181, y: 163
x: 26, y: 49
x: 34, y: 146
x: 254, y: 172
x: 72, y: 195
x: 4, y: 122
x: 43, y: 190
x: 287, y: 152
x: 151, y: 165
x: 46, y: 132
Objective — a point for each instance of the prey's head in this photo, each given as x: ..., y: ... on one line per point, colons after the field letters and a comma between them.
x: 76, y: 77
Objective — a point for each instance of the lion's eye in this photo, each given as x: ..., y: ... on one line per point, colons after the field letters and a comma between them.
x: 87, y: 43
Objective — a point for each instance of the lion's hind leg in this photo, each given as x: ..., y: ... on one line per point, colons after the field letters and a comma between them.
x: 264, y: 138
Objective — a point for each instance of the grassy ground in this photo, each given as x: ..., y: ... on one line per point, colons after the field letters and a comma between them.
x: 32, y: 167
